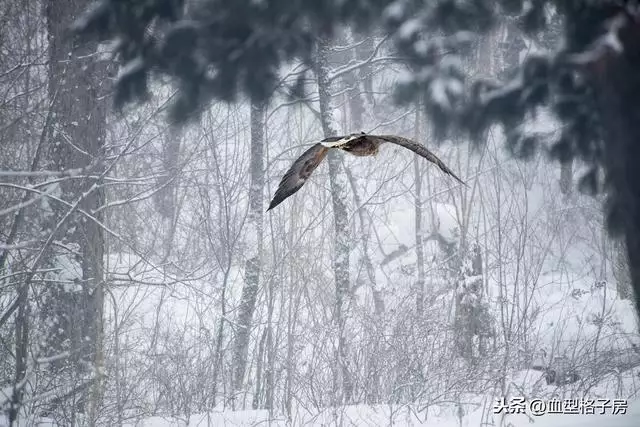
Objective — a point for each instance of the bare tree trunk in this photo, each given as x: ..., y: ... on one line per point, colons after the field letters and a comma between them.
x: 271, y: 352
x: 224, y: 262
x: 620, y: 268
x: 566, y: 178
x: 365, y: 73
x: 219, y: 352
x: 22, y: 341
x: 77, y: 89
x: 292, y: 319
x: 357, y: 109
x: 254, y: 233
x: 341, y: 222
x: 259, y: 365
x: 418, y: 223
x: 165, y: 199
x: 350, y: 80
x: 356, y: 118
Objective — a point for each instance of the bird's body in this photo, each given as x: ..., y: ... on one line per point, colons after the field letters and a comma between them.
x: 357, y: 144
x: 354, y: 144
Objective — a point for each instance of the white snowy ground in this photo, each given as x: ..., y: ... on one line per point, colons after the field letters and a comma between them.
x: 477, y: 411
x: 401, y: 416
x: 379, y: 416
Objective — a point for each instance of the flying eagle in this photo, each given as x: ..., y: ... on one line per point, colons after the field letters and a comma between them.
x: 358, y: 144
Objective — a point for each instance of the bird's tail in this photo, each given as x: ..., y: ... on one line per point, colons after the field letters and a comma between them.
x: 448, y: 171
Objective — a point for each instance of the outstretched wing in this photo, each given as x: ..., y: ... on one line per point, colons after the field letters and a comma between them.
x: 420, y: 150
x: 298, y: 174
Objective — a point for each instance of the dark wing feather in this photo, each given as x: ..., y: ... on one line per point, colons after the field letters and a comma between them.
x: 298, y: 174
x: 420, y: 150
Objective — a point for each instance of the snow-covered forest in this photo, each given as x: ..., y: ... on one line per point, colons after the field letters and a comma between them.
x: 142, y: 283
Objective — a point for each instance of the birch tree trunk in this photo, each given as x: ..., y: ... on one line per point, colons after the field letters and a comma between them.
x: 352, y: 85
x: 77, y: 89
x: 341, y: 223
x: 356, y: 103
x: 418, y: 222
x: 620, y: 269
x: 254, y: 246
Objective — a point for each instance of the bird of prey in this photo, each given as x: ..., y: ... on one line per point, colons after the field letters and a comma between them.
x: 358, y: 144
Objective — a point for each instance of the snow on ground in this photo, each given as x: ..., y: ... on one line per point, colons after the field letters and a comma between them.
x: 401, y: 416
x: 468, y: 411
x: 574, y: 309
x: 570, y: 305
